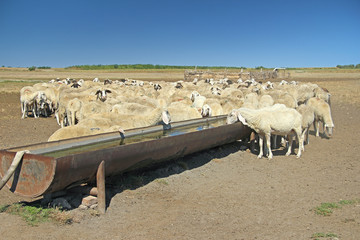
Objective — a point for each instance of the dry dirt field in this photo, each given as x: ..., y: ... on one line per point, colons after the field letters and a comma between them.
x: 222, y: 193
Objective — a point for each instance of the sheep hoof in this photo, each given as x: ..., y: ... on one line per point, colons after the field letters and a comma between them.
x: 259, y: 156
x: 287, y: 154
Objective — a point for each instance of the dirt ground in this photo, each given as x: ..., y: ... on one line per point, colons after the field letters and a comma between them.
x: 222, y: 193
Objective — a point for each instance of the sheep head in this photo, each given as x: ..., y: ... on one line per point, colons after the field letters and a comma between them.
x: 206, y: 111
x: 102, y: 94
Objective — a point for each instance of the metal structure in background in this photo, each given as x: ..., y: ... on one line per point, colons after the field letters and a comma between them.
x: 59, y: 165
x: 261, y: 75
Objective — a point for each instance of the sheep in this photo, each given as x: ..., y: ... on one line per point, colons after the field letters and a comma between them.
x: 265, y: 101
x: 212, y: 108
x: 157, y: 87
x: 107, y: 81
x: 105, y: 122
x: 73, y: 110
x: 27, y: 100
x: 180, y: 112
x: 102, y: 94
x: 322, y: 114
x: 251, y: 101
x: 323, y: 94
x: 197, y: 99
x: 308, y: 117
x: 61, y: 116
x: 276, y: 119
x: 96, y: 80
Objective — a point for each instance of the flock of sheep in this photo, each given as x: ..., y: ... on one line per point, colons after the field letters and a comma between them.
x: 91, y: 107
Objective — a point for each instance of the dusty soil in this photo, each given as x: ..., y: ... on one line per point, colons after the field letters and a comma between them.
x: 222, y: 193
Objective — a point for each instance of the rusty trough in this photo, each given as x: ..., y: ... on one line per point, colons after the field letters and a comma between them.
x: 59, y: 165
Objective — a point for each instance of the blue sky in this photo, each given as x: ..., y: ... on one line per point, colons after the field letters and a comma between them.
x: 274, y: 33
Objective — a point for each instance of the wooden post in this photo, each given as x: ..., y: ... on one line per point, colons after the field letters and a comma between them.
x: 100, y: 181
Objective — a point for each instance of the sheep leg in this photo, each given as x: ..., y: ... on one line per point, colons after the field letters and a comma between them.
x: 307, y: 136
x: 24, y: 110
x: 267, y: 139
x: 316, y: 126
x: 290, y: 139
x: 274, y: 142
x: 301, y: 140
x: 303, y: 137
x: 261, y: 141
x: 34, y: 109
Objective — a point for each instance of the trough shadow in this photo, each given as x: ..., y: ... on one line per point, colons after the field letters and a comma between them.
x: 135, y: 179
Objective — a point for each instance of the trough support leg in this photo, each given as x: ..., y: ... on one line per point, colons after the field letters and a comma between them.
x: 100, y: 180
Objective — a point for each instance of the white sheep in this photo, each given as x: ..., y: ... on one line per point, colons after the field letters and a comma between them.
x: 276, y: 119
x: 73, y: 111
x: 27, y: 100
x: 308, y: 117
x: 322, y: 114
x: 180, y: 111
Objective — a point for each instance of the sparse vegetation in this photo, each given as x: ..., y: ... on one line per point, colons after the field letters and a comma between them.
x: 34, y: 215
x: 32, y: 68
x: 326, y: 209
x: 161, y: 181
x: 144, y: 66
x: 349, y: 66
x: 44, y: 67
x: 318, y: 236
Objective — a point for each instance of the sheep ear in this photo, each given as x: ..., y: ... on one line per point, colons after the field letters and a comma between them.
x: 107, y: 91
x: 242, y: 119
x: 97, y: 92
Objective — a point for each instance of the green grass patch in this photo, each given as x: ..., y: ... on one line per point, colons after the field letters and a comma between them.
x: 326, y: 209
x: 34, y: 215
x: 318, y: 236
x: 161, y: 181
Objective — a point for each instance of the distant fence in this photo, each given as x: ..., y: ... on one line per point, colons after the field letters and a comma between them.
x: 189, y: 75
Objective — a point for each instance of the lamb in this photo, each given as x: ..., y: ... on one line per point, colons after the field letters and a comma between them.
x: 276, y: 119
x: 307, y: 114
x: 322, y: 114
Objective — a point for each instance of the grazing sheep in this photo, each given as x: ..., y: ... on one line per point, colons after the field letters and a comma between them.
x: 322, y: 114
x: 276, y: 119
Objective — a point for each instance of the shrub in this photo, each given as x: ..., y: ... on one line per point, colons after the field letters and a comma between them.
x: 32, y: 68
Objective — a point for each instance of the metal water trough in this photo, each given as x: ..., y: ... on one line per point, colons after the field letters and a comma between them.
x: 55, y: 166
